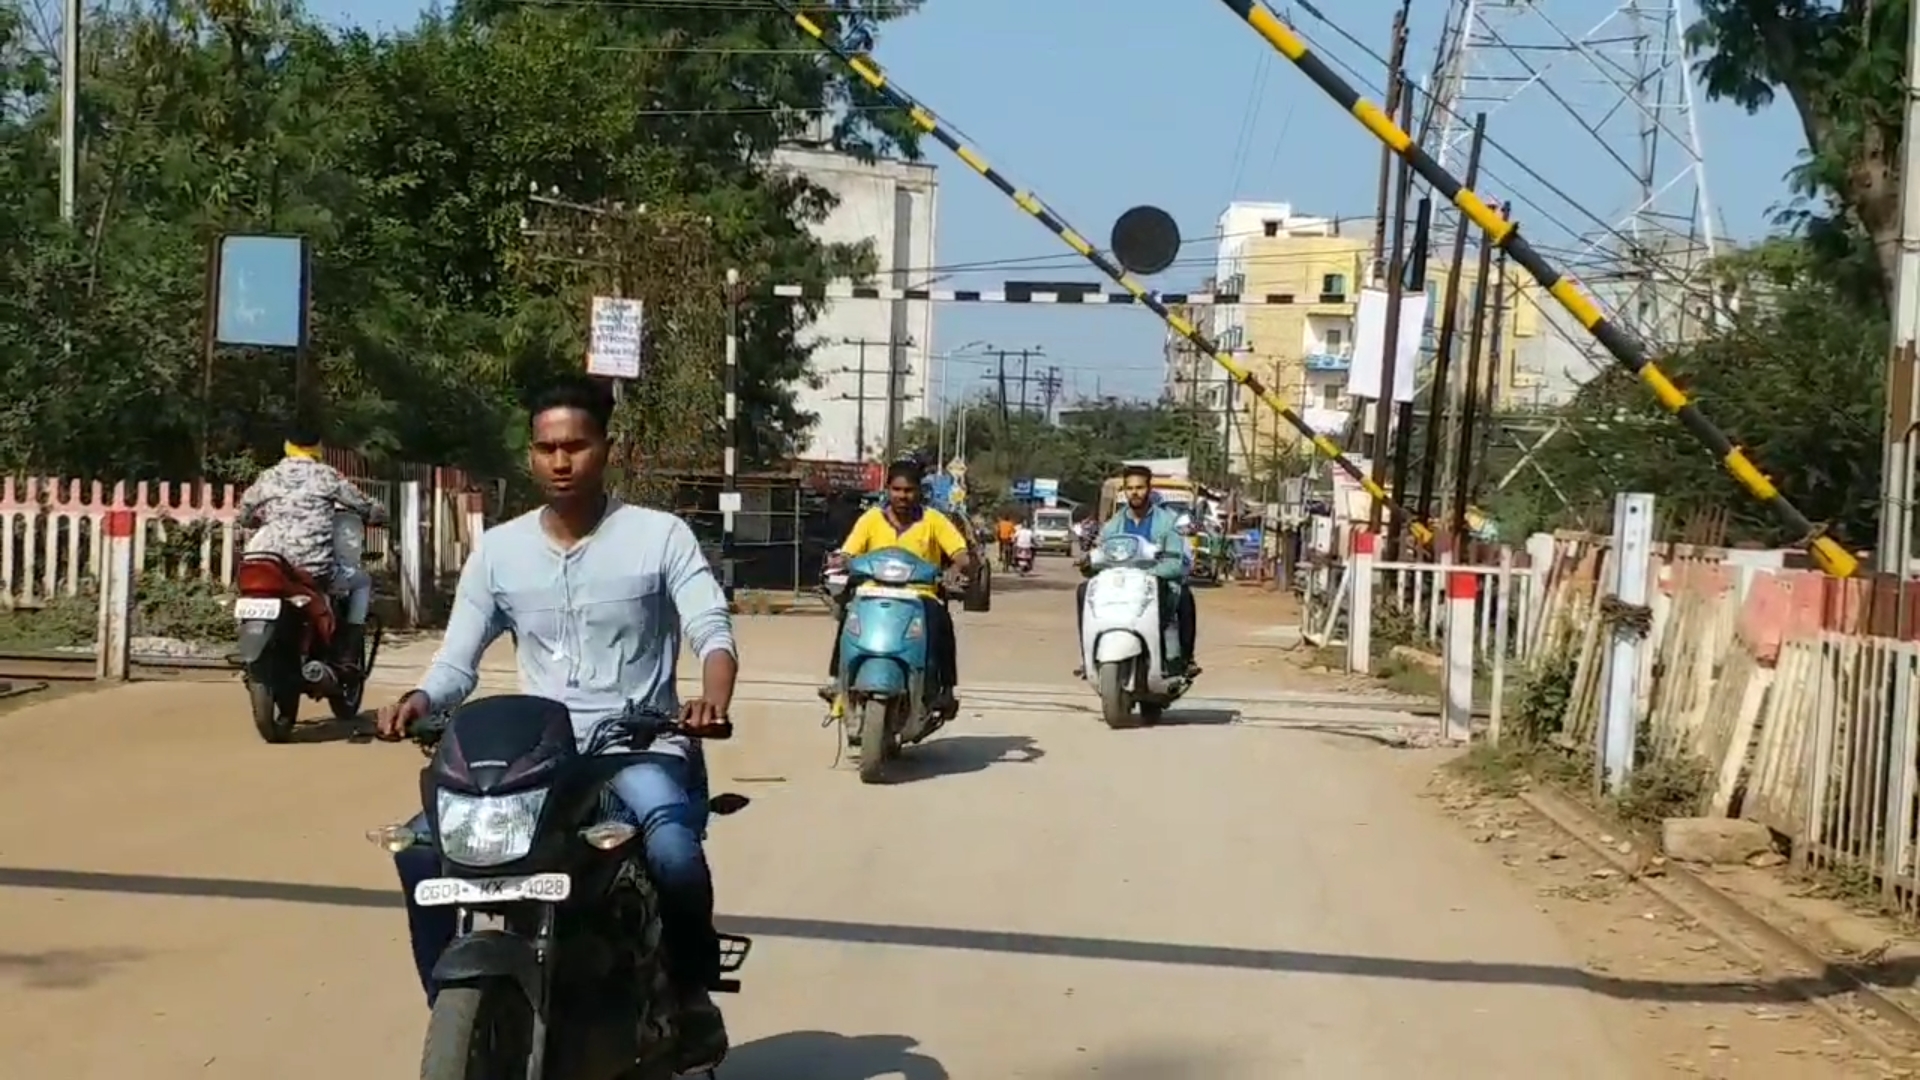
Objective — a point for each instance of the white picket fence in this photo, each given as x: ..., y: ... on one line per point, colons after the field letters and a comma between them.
x: 51, y: 544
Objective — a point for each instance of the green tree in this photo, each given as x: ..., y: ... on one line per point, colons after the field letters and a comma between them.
x: 1799, y: 378
x: 409, y: 162
x: 1841, y: 67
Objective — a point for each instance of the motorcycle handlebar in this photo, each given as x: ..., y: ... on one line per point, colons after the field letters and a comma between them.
x: 648, y: 725
x: 639, y: 726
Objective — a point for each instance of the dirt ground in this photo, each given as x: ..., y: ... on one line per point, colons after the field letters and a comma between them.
x: 1039, y: 898
x: 1720, y: 1017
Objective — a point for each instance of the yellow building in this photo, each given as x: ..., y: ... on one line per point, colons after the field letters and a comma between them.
x: 1303, y: 349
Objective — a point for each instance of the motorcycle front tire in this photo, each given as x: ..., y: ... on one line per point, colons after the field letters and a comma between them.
x: 274, y: 714
x: 874, y: 740
x: 480, y: 1031
x: 1116, y: 700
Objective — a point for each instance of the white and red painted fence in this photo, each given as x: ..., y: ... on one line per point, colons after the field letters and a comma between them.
x: 53, y: 532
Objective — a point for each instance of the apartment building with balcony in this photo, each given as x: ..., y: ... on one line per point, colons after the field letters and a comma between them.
x: 1304, y: 350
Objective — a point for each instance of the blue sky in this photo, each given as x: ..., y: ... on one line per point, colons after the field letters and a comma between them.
x: 1099, y: 105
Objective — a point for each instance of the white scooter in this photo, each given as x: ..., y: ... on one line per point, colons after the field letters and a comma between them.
x: 1126, y: 647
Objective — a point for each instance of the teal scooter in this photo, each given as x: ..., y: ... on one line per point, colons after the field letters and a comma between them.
x: 885, y: 677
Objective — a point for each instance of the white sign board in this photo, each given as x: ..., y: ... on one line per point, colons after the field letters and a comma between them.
x: 613, y: 347
x: 1369, y: 341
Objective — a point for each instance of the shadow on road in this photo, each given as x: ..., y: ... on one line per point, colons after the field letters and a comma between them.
x: 957, y: 755
x: 1900, y: 971
x: 64, y: 969
x: 1198, y: 717
x: 826, y: 1055
x: 330, y: 730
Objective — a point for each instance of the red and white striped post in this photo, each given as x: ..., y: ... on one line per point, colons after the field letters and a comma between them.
x: 113, y: 660
x: 1463, y: 590
x: 1360, y: 605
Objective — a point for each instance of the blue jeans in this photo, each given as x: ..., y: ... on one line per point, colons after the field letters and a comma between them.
x: 668, y: 797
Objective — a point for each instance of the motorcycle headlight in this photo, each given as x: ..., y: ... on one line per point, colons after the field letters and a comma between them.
x: 892, y: 571
x: 488, y: 830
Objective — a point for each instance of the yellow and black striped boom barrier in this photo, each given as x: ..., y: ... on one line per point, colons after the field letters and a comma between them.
x: 1827, y: 553
x: 924, y: 119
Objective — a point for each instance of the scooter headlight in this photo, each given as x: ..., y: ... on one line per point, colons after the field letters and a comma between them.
x: 892, y: 571
x: 488, y: 830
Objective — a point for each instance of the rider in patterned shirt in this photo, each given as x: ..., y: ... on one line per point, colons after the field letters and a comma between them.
x: 291, y: 507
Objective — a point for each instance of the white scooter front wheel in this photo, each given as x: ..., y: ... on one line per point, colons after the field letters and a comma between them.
x: 1113, y: 677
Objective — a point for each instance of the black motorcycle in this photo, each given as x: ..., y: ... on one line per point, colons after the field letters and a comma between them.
x: 568, y: 981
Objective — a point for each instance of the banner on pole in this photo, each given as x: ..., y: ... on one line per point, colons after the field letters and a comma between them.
x: 613, y: 344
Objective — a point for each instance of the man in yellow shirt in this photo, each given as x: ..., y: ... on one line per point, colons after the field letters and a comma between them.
x: 904, y: 523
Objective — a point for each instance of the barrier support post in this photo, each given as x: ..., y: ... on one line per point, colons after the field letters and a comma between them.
x: 1632, y: 586
x: 1463, y: 590
x: 1504, y: 639
x: 1360, y: 606
x: 404, y: 547
x: 113, y: 660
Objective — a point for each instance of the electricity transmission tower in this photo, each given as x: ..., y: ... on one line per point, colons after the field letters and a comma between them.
x: 1607, y: 82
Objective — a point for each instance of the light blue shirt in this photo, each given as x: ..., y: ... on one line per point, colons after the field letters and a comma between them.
x: 598, y: 625
x: 1160, y: 528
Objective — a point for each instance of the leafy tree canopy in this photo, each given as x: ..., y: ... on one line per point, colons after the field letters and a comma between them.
x: 441, y: 290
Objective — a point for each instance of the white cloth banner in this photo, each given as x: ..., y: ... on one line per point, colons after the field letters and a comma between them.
x: 1369, y: 339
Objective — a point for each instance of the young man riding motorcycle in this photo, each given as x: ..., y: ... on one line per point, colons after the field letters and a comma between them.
x: 1024, y: 541
x: 1003, y: 531
x: 597, y: 594
x: 903, y: 522
x: 291, y: 506
x: 1141, y: 515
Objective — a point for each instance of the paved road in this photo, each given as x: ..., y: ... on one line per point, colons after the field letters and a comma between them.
x: 1041, y: 898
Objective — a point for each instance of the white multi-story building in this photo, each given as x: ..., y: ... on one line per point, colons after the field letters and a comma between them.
x: 1190, y: 376
x: 894, y: 205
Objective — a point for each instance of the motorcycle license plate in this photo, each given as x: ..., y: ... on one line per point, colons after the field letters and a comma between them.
x: 250, y: 608
x: 474, y: 892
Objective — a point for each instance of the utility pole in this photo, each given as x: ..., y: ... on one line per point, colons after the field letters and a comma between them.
x: 1000, y: 377
x: 1496, y: 368
x: 1899, y: 470
x: 70, y: 111
x: 1415, y: 278
x: 1440, y: 410
x: 1025, y: 379
x: 1469, y: 406
x: 1396, y: 87
x: 1050, y: 390
x: 1390, y: 344
x: 860, y: 397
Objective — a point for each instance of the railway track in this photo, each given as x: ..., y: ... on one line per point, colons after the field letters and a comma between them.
x: 26, y: 667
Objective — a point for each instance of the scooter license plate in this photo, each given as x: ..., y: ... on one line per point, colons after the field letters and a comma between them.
x: 475, y: 892
x: 888, y: 592
x: 252, y: 608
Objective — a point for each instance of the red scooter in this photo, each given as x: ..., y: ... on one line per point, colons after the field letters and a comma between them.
x: 1023, y: 560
